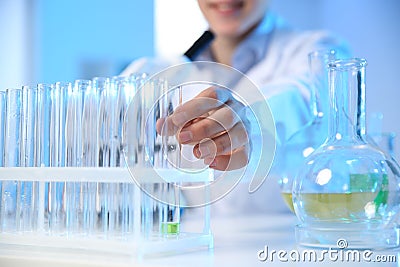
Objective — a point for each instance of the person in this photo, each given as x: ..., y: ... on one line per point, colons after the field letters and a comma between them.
x: 247, y: 36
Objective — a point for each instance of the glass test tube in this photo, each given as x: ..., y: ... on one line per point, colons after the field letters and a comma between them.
x: 171, y: 155
x: 89, y: 154
x: 107, y: 154
x: 132, y: 134
x: 11, y: 158
x: 27, y: 191
x: 116, y: 189
x: 75, y: 190
x: 100, y: 85
x: 42, y: 158
x: 57, y: 190
x: 2, y: 126
x: 126, y: 91
x: 2, y: 151
x: 147, y: 143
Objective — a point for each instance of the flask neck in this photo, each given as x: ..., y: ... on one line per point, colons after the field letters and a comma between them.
x: 347, y: 100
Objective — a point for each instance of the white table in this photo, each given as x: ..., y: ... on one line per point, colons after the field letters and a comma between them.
x: 238, y: 241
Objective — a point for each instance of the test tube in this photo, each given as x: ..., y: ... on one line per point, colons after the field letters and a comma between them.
x: 133, y: 194
x: 73, y: 142
x: 2, y: 151
x: 107, y: 154
x: 132, y: 134
x: 147, y: 144
x: 12, y: 146
x: 42, y: 158
x: 58, y: 113
x: 100, y: 84
x: 171, y: 158
x: 90, y: 156
x: 134, y: 137
x: 27, y: 191
x: 125, y: 93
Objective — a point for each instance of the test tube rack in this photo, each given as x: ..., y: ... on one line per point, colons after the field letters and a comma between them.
x: 66, y: 188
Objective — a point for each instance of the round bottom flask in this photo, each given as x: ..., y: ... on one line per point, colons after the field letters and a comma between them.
x: 347, y: 191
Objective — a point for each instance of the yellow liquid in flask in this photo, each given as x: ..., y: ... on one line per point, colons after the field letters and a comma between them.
x: 341, y: 206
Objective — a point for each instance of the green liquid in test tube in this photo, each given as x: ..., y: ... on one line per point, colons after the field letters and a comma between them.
x: 171, y: 215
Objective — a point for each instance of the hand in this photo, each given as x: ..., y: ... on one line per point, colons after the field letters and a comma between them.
x: 215, y: 123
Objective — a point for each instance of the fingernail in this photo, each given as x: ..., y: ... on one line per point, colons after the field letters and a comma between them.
x: 197, y: 152
x: 179, y: 118
x: 211, y: 162
x: 204, y: 151
x: 185, y: 136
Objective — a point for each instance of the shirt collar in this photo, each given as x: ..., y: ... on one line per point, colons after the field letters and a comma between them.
x: 252, y: 50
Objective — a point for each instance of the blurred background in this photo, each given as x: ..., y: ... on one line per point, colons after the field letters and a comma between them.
x: 63, y: 40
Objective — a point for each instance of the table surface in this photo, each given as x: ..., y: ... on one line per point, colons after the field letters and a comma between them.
x: 238, y: 241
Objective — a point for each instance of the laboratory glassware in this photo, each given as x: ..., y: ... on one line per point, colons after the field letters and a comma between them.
x: 58, y: 113
x: 12, y: 158
x: 3, y: 102
x: 347, y: 188
x: 27, y: 191
x: 75, y: 191
x: 65, y: 185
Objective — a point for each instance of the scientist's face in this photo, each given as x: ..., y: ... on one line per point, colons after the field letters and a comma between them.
x: 232, y: 18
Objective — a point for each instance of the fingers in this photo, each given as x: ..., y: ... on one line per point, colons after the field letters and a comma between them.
x: 208, y: 100
x: 222, y: 144
x: 193, y: 110
x: 227, y: 151
x: 236, y: 160
x: 219, y: 121
x: 164, y: 126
